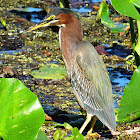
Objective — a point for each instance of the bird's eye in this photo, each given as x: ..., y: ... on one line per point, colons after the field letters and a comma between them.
x: 51, y: 17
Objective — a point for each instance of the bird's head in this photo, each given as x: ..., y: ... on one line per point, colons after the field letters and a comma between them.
x: 57, y: 17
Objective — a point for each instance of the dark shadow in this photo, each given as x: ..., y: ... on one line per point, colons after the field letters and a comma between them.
x: 75, y: 120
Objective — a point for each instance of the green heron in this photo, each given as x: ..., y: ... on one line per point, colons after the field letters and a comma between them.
x: 85, y: 68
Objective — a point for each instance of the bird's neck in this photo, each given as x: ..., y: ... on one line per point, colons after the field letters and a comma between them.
x: 69, y: 36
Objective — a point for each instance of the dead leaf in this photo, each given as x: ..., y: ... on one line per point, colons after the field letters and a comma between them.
x: 7, y: 70
x: 47, y: 53
x: 95, y: 8
x: 101, y: 49
x: 48, y: 118
x: 126, y: 29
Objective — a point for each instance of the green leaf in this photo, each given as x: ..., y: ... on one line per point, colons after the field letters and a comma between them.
x: 126, y: 7
x: 61, y: 3
x: 66, y: 125
x: 137, y: 47
x: 53, y: 72
x: 76, y: 134
x: 75, y: 131
x: 41, y: 136
x: 3, y: 22
x: 130, y: 102
x: 21, y: 114
x: 103, y: 14
x: 57, y: 135
x: 64, y: 4
x: 136, y: 2
x: 117, y: 28
x: 68, y: 138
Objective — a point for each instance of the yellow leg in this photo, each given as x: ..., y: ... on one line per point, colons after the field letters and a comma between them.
x: 85, y: 123
x: 92, y: 125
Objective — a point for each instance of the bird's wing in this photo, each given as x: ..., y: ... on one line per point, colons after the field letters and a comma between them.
x: 91, y: 84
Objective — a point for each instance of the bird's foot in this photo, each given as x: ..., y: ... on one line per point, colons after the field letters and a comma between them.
x: 95, y: 134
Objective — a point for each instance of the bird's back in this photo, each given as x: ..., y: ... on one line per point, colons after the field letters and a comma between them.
x: 91, y: 84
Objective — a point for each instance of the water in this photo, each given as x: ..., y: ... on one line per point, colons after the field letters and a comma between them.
x: 34, y: 17
x: 82, y: 9
x: 32, y: 9
x: 119, y: 79
x: 12, y: 52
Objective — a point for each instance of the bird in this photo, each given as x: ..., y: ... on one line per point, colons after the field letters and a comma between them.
x: 85, y: 68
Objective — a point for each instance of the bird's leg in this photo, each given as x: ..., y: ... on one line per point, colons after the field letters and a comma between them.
x: 92, y: 126
x: 88, y: 119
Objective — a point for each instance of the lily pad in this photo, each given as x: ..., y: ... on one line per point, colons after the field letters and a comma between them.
x: 21, y: 114
x: 41, y: 136
x: 126, y: 7
x: 130, y: 102
x: 136, y: 2
x: 52, y: 72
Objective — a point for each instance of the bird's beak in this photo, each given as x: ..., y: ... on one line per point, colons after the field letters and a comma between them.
x: 43, y: 23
